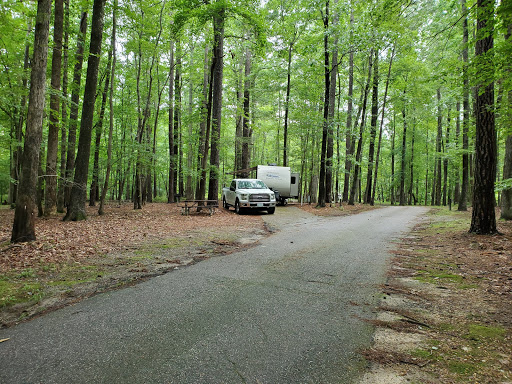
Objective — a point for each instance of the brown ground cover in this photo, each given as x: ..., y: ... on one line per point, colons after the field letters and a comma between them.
x: 450, y: 292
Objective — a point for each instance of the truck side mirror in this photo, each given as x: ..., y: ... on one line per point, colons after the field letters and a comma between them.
x: 231, y: 188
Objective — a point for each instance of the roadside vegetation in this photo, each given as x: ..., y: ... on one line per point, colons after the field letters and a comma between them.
x: 446, y: 313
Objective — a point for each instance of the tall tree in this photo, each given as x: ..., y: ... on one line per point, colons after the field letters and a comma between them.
x: 463, y: 200
x: 218, y: 52
x: 439, y: 144
x: 373, y: 128
x: 50, y: 203
x: 101, y: 209
x: 483, y: 219
x: 23, y: 228
x: 76, y: 208
x: 73, y: 113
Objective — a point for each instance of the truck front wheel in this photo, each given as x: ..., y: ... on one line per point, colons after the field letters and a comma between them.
x: 238, y: 210
x: 271, y: 210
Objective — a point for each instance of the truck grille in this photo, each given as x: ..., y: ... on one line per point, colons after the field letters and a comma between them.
x: 260, y: 197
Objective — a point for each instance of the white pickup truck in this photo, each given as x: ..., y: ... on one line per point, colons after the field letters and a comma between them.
x: 248, y: 194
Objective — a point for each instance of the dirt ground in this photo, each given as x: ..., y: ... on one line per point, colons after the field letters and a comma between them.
x: 445, y: 314
x: 446, y: 310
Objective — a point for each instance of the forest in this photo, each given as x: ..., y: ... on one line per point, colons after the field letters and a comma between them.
x: 381, y: 101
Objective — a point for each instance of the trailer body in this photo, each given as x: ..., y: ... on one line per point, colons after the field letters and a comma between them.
x: 280, y: 180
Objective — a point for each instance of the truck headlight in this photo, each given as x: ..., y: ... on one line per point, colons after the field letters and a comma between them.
x: 244, y: 196
x: 272, y: 196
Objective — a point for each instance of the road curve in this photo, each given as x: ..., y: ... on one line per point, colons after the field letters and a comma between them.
x: 286, y: 311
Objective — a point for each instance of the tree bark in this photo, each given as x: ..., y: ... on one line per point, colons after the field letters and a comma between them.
x: 483, y: 219
x: 439, y: 143
x: 463, y: 200
x: 76, y: 209
x: 373, y: 129
x: 404, y: 151
x: 246, y: 129
x: 218, y: 52
x: 372, y: 202
x: 506, y: 195
x: 349, y: 152
x: 50, y: 201
x: 101, y: 209
x: 64, y: 114
x: 359, y: 150
x: 23, y: 228
x: 171, y: 187
x: 73, y: 113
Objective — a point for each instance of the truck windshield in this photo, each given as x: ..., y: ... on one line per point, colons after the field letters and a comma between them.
x: 251, y: 184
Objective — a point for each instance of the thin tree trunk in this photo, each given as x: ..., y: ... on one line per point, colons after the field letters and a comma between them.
x: 246, y: 114
x: 101, y: 209
x: 23, y: 228
x: 348, y: 139
x: 381, y: 127
x: 64, y: 114
x: 392, y: 200
x: 330, y: 118
x: 404, y: 149
x: 506, y: 195
x: 355, y: 177
x: 170, y: 195
x: 463, y: 201
x: 439, y: 144
x: 446, y: 189
x: 76, y: 209
x: 287, y: 100
x: 94, y: 191
x: 373, y: 129
x: 456, y: 192
x: 50, y: 201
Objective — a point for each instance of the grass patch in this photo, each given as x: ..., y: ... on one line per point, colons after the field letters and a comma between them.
x: 479, y: 332
x: 462, y: 368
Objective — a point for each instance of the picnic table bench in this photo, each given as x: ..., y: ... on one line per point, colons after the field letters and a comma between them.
x: 199, y: 205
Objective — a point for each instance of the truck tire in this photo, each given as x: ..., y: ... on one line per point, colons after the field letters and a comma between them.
x: 224, y: 204
x: 238, y: 209
x: 271, y: 210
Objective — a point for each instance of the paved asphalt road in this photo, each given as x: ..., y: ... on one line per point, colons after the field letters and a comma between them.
x: 281, y: 312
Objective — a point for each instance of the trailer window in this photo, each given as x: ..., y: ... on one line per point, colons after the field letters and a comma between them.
x: 294, y: 180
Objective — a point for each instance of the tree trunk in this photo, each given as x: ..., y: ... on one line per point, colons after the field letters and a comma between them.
x: 373, y: 129
x: 483, y: 219
x: 23, y: 228
x: 372, y: 202
x: 463, y: 200
x: 94, y: 191
x: 325, y: 122
x: 446, y: 189
x: 204, y: 127
x: 50, y: 202
x: 392, y: 192
x: 456, y: 192
x: 404, y: 148
x: 411, y: 169
x: 287, y: 100
x: 189, y: 189
x: 439, y: 144
x: 330, y: 118
x: 64, y: 107
x: 170, y: 195
x: 355, y: 177
x: 218, y: 52
x: 246, y: 129
x: 101, y: 209
x: 76, y: 209
x: 506, y: 195
x: 349, y: 152
x: 75, y: 101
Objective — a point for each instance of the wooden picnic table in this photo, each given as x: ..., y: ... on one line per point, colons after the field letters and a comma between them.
x: 199, y: 205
